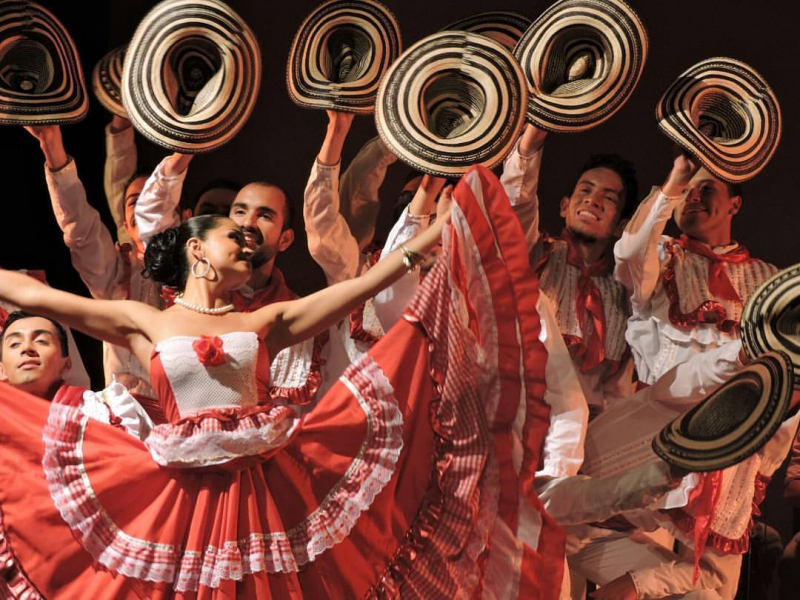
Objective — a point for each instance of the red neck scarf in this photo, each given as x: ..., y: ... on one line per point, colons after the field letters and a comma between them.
x: 718, y: 282
x: 589, y: 303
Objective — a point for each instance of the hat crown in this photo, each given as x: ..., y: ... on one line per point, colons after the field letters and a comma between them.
x: 193, y: 75
x: 451, y: 104
x: 25, y: 66
x: 713, y: 421
x: 349, y: 54
x: 788, y: 322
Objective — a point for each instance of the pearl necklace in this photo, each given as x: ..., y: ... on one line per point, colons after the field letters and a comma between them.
x: 221, y: 310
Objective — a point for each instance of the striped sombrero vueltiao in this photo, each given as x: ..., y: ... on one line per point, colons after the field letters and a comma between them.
x: 725, y: 114
x: 41, y: 80
x: 339, y: 55
x: 503, y: 26
x: 771, y: 318
x: 191, y: 76
x: 107, y: 81
x: 582, y: 60
x: 452, y: 100
x: 733, y: 422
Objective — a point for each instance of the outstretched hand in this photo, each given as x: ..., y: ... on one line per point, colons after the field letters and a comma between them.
x: 338, y: 127
x: 532, y: 140
x: 340, y: 121
x: 683, y: 169
x: 49, y: 137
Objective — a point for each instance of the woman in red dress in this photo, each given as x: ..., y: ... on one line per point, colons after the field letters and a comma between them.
x: 378, y: 491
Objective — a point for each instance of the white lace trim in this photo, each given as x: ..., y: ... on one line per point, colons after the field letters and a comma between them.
x: 206, y: 449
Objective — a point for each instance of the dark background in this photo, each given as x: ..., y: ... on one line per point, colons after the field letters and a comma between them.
x: 280, y: 141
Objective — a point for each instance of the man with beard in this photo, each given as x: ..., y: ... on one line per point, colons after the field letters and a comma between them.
x: 687, y: 296
x: 266, y: 215
x: 110, y: 271
x: 575, y: 269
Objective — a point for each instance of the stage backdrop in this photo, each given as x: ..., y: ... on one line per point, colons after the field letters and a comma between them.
x: 280, y: 141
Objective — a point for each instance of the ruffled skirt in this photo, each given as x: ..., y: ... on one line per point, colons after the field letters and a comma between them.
x: 394, y: 485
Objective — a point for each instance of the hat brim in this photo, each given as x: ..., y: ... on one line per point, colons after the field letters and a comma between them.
x: 49, y: 87
x: 606, y: 37
x: 771, y: 318
x: 502, y: 26
x: 365, y: 38
x: 201, y: 36
x: 107, y: 81
x: 733, y: 422
x: 451, y: 101
x: 733, y: 100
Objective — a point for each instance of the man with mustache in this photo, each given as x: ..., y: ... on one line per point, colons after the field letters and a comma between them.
x: 575, y: 269
x: 687, y: 296
x: 266, y: 215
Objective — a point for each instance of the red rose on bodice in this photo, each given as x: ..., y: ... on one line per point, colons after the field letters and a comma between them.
x: 209, y: 350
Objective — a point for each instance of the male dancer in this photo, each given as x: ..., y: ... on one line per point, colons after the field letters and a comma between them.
x: 687, y: 296
x: 576, y: 269
x: 110, y: 271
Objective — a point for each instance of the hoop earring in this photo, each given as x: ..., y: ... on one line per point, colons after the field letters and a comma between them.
x: 203, y: 261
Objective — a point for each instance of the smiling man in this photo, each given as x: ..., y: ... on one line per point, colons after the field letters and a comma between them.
x: 33, y: 354
x: 575, y: 269
x: 266, y: 215
x: 687, y: 293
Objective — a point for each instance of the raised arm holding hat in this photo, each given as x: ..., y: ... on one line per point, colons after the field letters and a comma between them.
x: 109, y: 270
x: 687, y: 298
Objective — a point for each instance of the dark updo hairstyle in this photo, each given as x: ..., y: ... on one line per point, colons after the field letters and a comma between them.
x: 165, y: 257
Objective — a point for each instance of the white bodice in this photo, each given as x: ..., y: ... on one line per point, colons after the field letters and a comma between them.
x: 199, y: 387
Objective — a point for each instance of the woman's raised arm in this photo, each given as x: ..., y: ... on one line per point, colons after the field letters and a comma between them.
x: 113, y: 321
x: 287, y: 323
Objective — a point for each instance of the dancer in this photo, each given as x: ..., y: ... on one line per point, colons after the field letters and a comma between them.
x: 109, y: 270
x: 220, y: 529
x: 576, y: 270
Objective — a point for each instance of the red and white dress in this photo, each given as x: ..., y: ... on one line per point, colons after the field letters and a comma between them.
x: 402, y: 481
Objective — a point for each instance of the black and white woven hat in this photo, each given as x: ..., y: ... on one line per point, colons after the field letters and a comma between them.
x: 771, y: 318
x: 582, y: 60
x: 733, y: 422
x: 41, y: 81
x: 502, y: 26
x: 340, y: 54
x: 725, y: 114
x: 107, y: 81
x: 452, y: 100
x: 191, y: 76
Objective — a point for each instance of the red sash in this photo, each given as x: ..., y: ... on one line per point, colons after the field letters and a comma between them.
x: 588, y: 304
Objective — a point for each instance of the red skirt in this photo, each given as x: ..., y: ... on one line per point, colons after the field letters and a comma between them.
x: 383, y: 490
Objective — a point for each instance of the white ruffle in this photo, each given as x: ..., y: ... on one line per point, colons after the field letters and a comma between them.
x: 205, y: 449
x: 116, y: 400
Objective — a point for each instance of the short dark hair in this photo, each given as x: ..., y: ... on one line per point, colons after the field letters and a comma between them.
x: 288, y: 206
x: 140, y: 173
x: 217, y: 184
x: 627, y: 173
x: 734, y: 189
x: 18, y: 315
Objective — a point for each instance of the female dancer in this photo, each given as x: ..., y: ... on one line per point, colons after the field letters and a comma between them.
x: 376, y: 489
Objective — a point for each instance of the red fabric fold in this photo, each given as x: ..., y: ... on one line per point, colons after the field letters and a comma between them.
x: 588, y: 304
x: 718, y: 282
